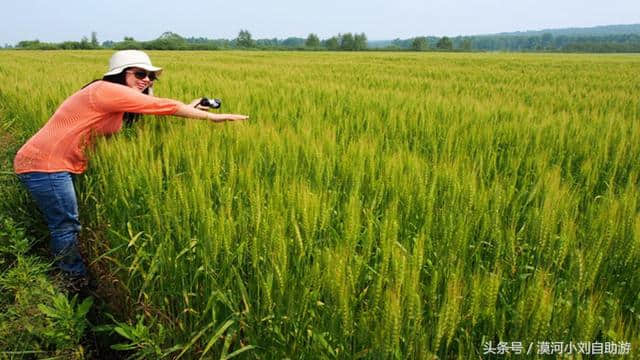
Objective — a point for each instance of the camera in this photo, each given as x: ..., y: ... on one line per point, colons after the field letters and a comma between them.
x: 210, y: 103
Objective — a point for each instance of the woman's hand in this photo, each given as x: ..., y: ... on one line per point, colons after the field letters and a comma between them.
x: 191, y: 111
x: 227, y: 117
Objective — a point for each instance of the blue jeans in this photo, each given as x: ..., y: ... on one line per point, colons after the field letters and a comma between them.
x: 56, y: 198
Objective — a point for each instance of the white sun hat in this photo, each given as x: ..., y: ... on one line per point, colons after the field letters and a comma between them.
x: 121, y: 60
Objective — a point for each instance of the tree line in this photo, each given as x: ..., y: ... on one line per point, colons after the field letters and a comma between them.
x: 533, y: 43
x: 173, y: 41
x: 358, y: 42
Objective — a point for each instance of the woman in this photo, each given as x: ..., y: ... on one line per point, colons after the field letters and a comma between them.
x: 45, y: 162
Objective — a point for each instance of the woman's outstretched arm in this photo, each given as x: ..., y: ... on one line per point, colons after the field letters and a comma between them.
x: 109, y: 97
x: 190, y: 111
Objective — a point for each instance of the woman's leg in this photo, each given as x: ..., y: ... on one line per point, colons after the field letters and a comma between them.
x: 56, y: 198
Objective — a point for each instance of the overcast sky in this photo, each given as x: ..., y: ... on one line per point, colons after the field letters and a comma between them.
x: 57, y: 21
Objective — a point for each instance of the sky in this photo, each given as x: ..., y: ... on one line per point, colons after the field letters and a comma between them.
x: 56, y: 21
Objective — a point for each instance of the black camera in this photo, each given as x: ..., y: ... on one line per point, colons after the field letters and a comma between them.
x: 210, y: 103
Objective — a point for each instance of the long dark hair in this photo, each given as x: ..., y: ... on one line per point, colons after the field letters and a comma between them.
x: 121, y: 78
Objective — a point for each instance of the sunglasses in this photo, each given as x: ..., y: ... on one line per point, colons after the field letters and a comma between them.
x: 141, y: 74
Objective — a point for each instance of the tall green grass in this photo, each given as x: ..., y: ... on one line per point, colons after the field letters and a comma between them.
x: 376, y: 205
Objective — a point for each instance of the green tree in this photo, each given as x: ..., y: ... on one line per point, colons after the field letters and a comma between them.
x: 360, y: 42
x: 466, y: 44
x: 28, y: 44
x: 128, y: 43
x: 346, y: 41
x: 332, y: 43
x: 84, y: 43
x: 444, y: 43
x: 533, y: 43
x: 94, y: 40
x: 419, y: 44
x: 267, y: 43
x: 167, y: 41
x: 547, y: 40
x: 244, y: 39
x: 70, y: 45
x: 312, y: 41
x: 293, y: 42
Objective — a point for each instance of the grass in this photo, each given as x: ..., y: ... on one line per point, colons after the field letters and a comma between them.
x: 376, y: 205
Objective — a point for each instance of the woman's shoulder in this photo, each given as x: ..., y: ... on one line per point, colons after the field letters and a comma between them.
x: 106, y: 88
x: 106, y: 85
x: 101, y: 93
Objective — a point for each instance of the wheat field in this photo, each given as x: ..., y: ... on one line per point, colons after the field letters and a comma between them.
x: 376, y: 205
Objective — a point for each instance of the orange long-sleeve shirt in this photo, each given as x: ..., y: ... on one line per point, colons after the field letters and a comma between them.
x: 93, y: 111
